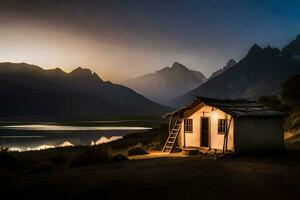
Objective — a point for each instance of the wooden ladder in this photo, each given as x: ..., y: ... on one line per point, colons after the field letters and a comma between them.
x: 169, y: 146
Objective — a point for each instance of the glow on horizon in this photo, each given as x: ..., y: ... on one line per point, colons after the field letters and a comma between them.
x: 51, y: 49
x: 40, y: 45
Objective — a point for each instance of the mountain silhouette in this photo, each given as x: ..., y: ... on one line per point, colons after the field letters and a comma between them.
x: 261, y: 72
x: 229, y: 64
x: 167, y: 83
x: 28, y: 92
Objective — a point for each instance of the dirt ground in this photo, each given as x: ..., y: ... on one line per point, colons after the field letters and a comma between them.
x: 198, y: 177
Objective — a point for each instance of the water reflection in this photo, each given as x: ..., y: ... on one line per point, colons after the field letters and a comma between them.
x: 28, y: 137
x: 41, y: 147
x: 42, y: 127
x: 102, y: 140
x: 66, y: 144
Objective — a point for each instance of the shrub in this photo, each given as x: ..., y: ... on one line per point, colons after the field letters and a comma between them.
x: 137, y: 150
x: 291, y: 93
x: 90, y: 156
x: 293, y: 121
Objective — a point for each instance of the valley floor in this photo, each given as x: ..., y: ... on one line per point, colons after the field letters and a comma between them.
x: 264, y: 177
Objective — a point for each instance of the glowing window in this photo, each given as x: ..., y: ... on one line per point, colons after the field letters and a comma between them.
x: 222, y: 126
x: 188, y: 125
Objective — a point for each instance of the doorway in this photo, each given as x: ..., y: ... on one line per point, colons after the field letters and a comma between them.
x: 204, y: 131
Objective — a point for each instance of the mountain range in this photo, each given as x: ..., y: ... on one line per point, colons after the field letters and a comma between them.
x: 261, y: 72
x: 229, y: 64
x: 30, y: 92
x: 167, y: 83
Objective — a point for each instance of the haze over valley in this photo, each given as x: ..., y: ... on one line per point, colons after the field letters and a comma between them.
x: 167, y: 83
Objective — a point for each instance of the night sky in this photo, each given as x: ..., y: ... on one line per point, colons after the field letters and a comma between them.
x: 126, y: 38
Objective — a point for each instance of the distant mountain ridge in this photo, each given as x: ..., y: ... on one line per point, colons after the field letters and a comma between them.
x: 229, y: 64
x: 261, y: 72
x: 199, y: 75
x: 292, y: 49
x: 30, y: 92
x: 167, y: 83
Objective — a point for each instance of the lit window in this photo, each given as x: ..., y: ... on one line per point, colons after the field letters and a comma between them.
x: 188, y: 125
x: 222, y: 126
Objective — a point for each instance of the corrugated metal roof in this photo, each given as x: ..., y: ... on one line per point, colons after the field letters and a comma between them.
x: 235, y: 108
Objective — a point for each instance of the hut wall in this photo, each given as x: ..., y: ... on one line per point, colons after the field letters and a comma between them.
x: 258, y: 133
x: 215, y: 140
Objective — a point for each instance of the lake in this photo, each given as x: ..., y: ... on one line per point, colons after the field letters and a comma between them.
x: 37, y: 136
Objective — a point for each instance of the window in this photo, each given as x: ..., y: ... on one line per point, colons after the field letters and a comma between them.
x: 222, y: 126
x: 188, y: 125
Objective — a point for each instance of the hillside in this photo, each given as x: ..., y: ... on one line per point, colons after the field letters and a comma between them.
x: 167, y: 83
x: 30, y: 92
x: 261, y: 72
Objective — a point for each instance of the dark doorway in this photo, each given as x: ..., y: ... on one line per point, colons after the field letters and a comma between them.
x: 204, y: 131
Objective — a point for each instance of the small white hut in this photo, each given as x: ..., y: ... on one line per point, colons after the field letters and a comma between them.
x: 226, y: 125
